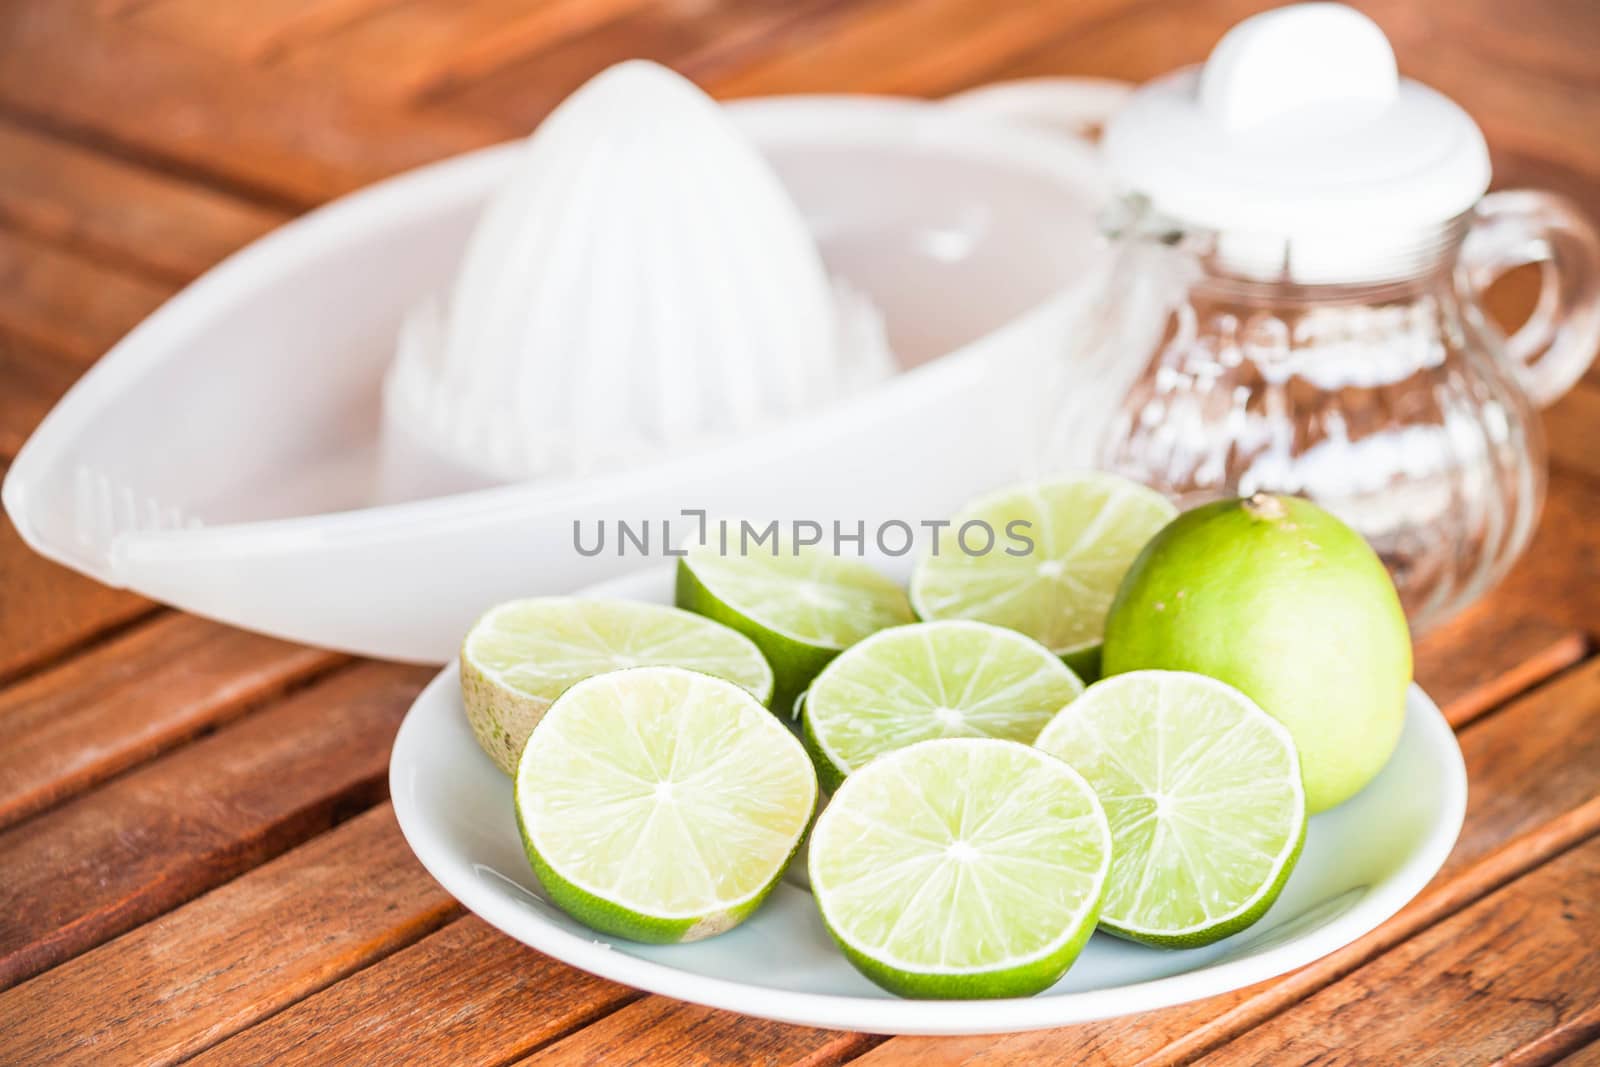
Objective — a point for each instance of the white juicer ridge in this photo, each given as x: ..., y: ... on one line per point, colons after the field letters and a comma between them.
x: 641, y: 283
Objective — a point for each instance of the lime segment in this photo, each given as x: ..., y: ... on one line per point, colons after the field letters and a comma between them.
x: 963, y: 867
x: 661, y: 805
x: 1085, y: 531
x: 523, y: 654
x: 800, y: 610
x: 1203, y: 792
x: 930, y: 680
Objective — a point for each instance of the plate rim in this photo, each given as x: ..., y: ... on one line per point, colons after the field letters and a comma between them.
x: 933, y: 1017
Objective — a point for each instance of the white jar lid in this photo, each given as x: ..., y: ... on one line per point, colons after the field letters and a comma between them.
x: 1298, y: 124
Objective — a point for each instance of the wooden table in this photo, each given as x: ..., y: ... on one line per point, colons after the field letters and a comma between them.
x: 196, y: 855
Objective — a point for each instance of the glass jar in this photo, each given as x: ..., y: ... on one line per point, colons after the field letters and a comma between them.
x: 1393, y: 402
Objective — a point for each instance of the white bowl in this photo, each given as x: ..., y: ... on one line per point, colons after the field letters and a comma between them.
x: 1362, y: 861
x: 224, y: 456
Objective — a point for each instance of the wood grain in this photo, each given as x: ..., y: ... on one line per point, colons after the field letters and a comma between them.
x: 284, y: 139
x: 67, y: 302
x: 119, y: 214
x: 1534, y: 770
x: 407, y: 51
x: 253, y: 33
x: 1571, y: 426
x: 467, y: 994
x: 1504, y: 973
x: 1486, y: 656
x: 1562, y: 559
x: 158, y: 684
x: 657, y: 1030
x: 192, y: 977
x: 115, y: 857
x: 34, y: 379
x: 707, y: 44
x: 885, y: 49
x: 47, y: 610
x: 1588, y: 1056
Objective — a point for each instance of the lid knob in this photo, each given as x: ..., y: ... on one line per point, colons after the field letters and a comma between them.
x: 1322, y: 64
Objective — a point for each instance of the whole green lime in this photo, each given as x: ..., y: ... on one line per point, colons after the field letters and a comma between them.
x: 1281, y: 600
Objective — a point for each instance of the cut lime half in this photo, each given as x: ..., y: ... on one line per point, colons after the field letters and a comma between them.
x: 964, y: 867
x: 1084, y: 530
x: 932, y: 679
x: 1203, y: 792
x: 661, y: 805
x: 525, y: 653
x: 800, y: 610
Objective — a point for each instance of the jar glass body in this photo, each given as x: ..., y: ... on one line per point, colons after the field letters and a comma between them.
x: 1391, y: 403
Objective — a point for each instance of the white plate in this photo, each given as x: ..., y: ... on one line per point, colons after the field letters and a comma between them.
x: 1361, y: 863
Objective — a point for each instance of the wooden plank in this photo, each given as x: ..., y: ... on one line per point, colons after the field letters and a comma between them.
x: 467, y: 994
x: 118, y: 214
x: 1481, y: 659
x: 1534, y: 769
x: 111, y: 859
x: 704, y: 44
x: 657, y: 1030
x: 48, y: 610
x: 885, y: 49
x: 1573, y: 428
x: 1554, y: 35
x: 404, y: 52
x: 32, y: 379
x: 192, y: 977
x: 253, y: 33
x: 67, y: 302
x: 1502, y: 974
x: 1554, y: 1044
x: 279, y: 137
x: 1588, y: 1056
x: 1561, y: 566
x: 124, y: 701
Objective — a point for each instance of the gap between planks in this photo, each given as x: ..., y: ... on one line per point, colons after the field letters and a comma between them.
x: 132, y: 697
x: 113, y: 858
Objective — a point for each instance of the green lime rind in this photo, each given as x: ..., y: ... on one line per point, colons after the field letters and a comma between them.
x: 795, y: 658
x: 829, y: 776
x: 523, y: 654
x: 661, y: 805
x: 951, y: 678
x: 961, y: 868
x: 1085, y: 528
x: 1024, y: 980
x: 606, y: 917
x: 1203, y: 793
x: 1227, y: 928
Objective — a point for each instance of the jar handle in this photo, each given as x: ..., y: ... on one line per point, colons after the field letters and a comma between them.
x: 1550, y: 352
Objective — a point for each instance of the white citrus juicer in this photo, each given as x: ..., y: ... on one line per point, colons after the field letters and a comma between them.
x: 654, y: 304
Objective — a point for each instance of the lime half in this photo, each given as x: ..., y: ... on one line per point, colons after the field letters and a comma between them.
x: 964, y: 867
x: 661, y: 805
x: 800, y: 610
x: 523, y: 654
x: 1085, y: 530
x: 933, y: 679
x: 1203, y: 792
